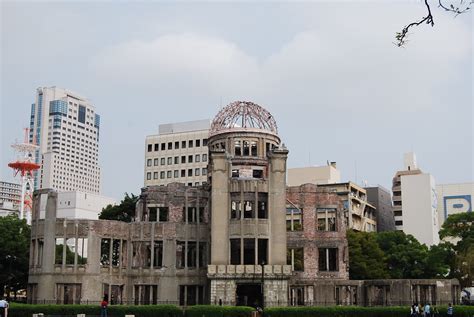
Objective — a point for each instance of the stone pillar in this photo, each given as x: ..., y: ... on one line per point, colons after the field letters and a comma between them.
x: 219, y: 208
x: 277, y: 206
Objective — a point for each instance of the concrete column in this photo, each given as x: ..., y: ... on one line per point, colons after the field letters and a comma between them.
x: 219, y: 208
x: 277, y: 207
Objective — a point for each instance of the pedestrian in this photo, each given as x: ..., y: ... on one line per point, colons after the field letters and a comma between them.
x: 3, y: 307
x: 450, y: 312
x: 417, y: 309
x: 103, y: 307
x: 427, y: 310
x: 412, y: 310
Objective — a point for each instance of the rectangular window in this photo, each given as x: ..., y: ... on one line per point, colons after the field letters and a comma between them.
x: 168, y: 174
x: 150, y: 147
x: 204, y: 142
x: 262, y: 251
x: 81, y: 251
x: 249, y: 211
x: 180, y: 254
x: 190, y: 172
x: 190, y: 143
x: 204, y: 157
x: 253, y: 148
x: 327, y: 259
x: 170, y: 145
x: 183, y: 144
x: 235, y: 252
x: 155, y: 162
x: 148, y: 175
x: 163, y: 161
x: 156, y: 147
x: 105, y: 252
x: 204, y: 171
x: 183, y: 173
x: 294, y: 219
x: 176, y: 145
x: 148, y: 162
x: 176, y: 173
x: 155, y: 175
x: 170, y: 160
x: 197, y: 158
x: 191, y: 254
x: 249, y: 251
x: 176, y: 160
x: 262, y: 205
x: 162, y: 175
x: 82, y: 114
x: 183, y: 159
x: 196, y: 171
x: 326, y: 219
x: 141, y: 254
x: 198, y: 143
x: 158, y: 254
x: 190, y: 158
x: 68, y: 293
x: 191, y: 295
x: 246, y: 150
x: 237, y: 148
x: 295, y: 258
x: 146, y: 294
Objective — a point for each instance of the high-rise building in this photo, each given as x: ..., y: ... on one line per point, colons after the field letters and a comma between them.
x: 66, y: 128
x: 453, y: 199
x: 178, y: 153
x: 415, y: 202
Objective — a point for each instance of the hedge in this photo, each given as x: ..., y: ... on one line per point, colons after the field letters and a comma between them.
x: 26, y: 310
x: 218, y: 311
x: 353, y: 311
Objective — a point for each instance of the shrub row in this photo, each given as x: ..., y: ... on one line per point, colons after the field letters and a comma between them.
x: 353, y: 311
x: 26, y: 310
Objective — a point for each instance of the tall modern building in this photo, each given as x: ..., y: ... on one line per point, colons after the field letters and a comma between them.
x: 66, y: 128
x: 415, y: 202
x: 10, y: 196
x: 314, y: 175
x: 178, y: 153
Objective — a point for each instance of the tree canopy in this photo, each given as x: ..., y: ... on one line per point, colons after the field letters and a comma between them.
x: 14, y: 253
x: 125, y: 211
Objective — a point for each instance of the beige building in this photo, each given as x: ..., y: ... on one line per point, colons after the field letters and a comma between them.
x: 178, y: 153
x: 415, y: 202
x: 359, y: 214
x: 314, y: 175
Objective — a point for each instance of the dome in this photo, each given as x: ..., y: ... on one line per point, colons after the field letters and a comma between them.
x: 241, y: 116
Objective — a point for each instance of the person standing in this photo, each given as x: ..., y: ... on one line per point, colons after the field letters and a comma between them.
x: 3, y: 307
x: 103, y: 307
x: 427, y: 310
x: 450, y: 312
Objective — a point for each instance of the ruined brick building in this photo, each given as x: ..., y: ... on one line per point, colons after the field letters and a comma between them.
x: 243, y: 238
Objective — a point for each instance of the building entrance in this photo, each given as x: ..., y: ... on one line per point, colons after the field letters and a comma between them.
x: 249, y: 295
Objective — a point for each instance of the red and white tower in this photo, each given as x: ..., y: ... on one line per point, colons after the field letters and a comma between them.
x: 24, y: 167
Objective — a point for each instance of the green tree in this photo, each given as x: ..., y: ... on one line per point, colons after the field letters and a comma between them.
x: 406, y: 257
x: 125, y: 211
x: 14, y: 253
x: 460, y: 228
x: 366, y: 259
x: 441, y: 261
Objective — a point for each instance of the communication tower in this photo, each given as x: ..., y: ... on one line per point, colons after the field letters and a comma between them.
x: 24, y: 167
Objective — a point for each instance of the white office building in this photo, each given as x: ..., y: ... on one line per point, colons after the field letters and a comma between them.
x: 453, y: 199
x: 77, y: 205
x: 66, y: 127
x: 178, y: 153
x: 415, y: 202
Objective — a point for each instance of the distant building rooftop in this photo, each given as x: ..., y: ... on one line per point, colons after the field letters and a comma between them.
x: 188, y: 126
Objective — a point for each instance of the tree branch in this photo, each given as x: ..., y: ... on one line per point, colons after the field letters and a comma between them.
x: 428, y: 19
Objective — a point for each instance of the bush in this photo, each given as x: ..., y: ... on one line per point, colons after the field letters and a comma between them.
x: 27, y: 310
x: 218, y: 311
x: 353, y: 311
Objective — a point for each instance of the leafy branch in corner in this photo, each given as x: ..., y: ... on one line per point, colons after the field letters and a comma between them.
x: 464, y: 6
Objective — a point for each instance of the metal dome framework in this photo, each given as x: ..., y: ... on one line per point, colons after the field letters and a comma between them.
x: 243, y: 115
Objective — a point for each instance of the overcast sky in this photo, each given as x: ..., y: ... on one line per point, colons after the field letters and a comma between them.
x: 329, y: 72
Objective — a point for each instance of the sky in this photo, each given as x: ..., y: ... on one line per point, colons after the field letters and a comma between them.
x: 329, y: 72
